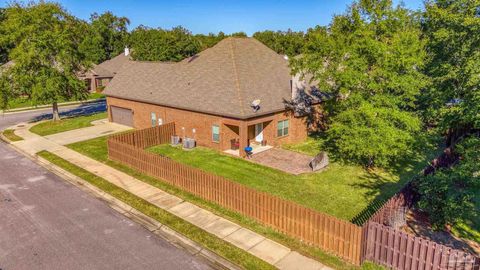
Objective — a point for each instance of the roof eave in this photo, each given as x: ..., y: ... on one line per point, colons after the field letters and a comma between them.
x: 240, y: 117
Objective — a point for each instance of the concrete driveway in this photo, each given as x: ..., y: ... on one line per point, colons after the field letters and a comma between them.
x: 99, y: 129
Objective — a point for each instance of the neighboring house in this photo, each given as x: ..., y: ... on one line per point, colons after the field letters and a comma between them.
x: 209, y: 96
x: 100, y: 75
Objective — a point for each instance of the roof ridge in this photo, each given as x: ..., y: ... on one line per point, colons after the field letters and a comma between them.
x: 237, y: 80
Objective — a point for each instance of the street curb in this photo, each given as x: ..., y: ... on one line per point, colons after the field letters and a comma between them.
x: 4, y: 139
x: 128, y: 211
x: 42, y: 107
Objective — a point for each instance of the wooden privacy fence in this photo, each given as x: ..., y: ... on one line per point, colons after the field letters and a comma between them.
x: 339, y: 237
x: 372, y: 241
x: 144, y: 138
x: 401, y: 251
x: 405, y: 198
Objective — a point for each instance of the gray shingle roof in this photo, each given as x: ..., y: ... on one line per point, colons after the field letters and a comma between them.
x: 110, y: 67
x: 222, y: 80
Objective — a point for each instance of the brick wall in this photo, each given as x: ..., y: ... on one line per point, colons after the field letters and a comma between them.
x: 186, y: 121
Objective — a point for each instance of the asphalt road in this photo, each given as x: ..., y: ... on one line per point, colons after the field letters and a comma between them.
x: 46, y: 223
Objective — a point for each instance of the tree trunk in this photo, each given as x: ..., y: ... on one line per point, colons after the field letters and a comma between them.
x: 56, y: 115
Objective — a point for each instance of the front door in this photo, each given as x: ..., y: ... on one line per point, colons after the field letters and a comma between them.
x: 259, y: 132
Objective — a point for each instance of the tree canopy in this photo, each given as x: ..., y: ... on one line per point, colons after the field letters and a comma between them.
x: 453, y: 32
x: 4, y: 46
x: 283, y: 42
x: 207, y: 41
x: 106, y: 37
x: 149, y: 44
x: 46, y: 55
x: 369, y: 61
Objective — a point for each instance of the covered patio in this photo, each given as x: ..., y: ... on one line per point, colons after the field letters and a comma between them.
x: 255, y: 133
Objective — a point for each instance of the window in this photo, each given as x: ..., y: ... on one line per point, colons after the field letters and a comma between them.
x: 282, y: 128
x: 153, y: 119
x: 215, y: 133
x: 160, y: 121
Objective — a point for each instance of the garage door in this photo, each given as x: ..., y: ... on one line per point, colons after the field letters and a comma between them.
x: 122, y: 116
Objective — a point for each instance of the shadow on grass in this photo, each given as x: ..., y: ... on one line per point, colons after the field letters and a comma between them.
x: 406, y: 169
x: 83, y: 109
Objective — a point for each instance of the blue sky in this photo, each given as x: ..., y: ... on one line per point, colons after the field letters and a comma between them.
x: 204, y: 16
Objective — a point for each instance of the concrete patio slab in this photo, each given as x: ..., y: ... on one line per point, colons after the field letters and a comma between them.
x: 202, y: 218
x: 284, y: 160
x: 244, y: 238
x: 222, y: 228
x: 269, y: 251
x: 184, y: 209
x: 296, y: 261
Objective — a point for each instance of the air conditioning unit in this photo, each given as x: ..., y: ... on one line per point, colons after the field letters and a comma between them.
x: 175, y: 140
x: 188, y: 143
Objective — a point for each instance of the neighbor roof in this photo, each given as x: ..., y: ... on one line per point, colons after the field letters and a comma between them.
x: 222, y: 80
x: 110, y: 67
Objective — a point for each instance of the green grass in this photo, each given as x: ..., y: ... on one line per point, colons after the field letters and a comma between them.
x: 9, y: 134
x: 470, y: 228
x: 24, y: 102
x: 208, y: 240
x: 97, y: 149
x: 52, y: 127
x: 341, y: 190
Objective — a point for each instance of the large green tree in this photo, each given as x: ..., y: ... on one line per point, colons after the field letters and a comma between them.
x: 453, y: 32
x: 369, y: 62
x: 4, y: 46
x: 149, y: 44
x: 283, y: 42
x: 46, y: 55
x: 105, y: 37
x: 207, y: 41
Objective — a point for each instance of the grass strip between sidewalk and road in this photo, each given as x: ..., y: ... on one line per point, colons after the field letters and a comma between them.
x: 10, y: 134
x: 209, y: 241
x: 97, y: 150
x: 27, y: 104
x: 67, y: 124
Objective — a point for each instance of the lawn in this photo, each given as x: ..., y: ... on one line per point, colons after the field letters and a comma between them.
x: 25, y: 102
x: 470, y: 229
x: 10, y: 134
x: 341, y: 190
x: 52, y: 127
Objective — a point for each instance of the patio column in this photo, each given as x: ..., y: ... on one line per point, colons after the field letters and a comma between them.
x: 243, y: 133
x: 93, y: 85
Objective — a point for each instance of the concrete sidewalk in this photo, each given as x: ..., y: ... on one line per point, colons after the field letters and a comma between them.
x: 256, y: 244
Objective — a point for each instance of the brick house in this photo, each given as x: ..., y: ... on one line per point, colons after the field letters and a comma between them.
x: 98, y: 77
x: 211, y: 97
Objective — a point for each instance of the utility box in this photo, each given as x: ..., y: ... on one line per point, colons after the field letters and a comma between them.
x: 175, y: 140
x: 188, y: 143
